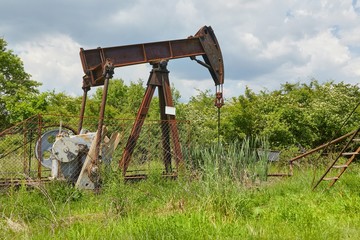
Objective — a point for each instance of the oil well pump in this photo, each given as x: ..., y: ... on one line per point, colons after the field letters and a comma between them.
x: 99, y: 64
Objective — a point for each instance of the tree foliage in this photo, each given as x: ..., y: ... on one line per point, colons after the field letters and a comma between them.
x: 202, y: 114
x: 17, y: 91
x: 296, y: 114
x: 122, y: 101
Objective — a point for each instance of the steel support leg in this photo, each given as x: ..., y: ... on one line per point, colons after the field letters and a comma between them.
x: 158, y: 78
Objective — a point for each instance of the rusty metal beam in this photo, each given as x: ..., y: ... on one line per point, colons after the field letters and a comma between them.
x: 82, y: 109
x: 204, y: 44
x: 321, y: 147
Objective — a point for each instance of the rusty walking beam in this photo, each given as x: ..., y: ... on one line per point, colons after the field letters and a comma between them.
x: 204, y: 44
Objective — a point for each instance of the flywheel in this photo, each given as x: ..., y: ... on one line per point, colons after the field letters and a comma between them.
x: 43, y: 146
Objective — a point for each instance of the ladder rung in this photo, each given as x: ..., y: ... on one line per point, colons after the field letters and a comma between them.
x: 340, y: 166
x: 349, y: 153
x: 330, y: 178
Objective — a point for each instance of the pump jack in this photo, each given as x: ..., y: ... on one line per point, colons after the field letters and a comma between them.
x: 98, y: 65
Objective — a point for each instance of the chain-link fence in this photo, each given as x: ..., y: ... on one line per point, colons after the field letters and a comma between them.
x: 17, y: 150
x: 33, y: 148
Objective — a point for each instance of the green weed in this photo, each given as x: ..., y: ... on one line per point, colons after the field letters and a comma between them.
x: 209, y: 207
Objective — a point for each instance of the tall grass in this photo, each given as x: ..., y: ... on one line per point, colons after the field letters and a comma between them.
x: 213, y: 204
x: 241, y: 162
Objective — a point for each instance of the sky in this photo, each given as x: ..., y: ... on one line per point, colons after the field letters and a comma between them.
x: 265, y: 43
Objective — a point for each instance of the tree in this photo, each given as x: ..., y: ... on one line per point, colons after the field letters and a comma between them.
x: 202, y: 114
x: 242, y: 117
x: 135, y: 95
x: 17, y: 91
x: 306, y: 114
x: 122, y: 101
x: 59, y: 103
x: 332, y: 105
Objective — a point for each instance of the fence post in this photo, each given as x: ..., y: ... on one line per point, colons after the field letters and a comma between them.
x: 39, y: 150
x: 25, y: 157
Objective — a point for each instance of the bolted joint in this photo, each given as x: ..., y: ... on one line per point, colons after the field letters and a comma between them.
x: 160, y: 65
x: 86, y: 83
x: 108, y: 71
x: 163, y: 64
x: 219, y: 101
x: 93, y: 172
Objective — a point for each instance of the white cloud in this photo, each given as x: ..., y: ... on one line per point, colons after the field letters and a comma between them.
x: 249, y: 41
x: 350, y: 36
x: 190, y: 87
x: 185, y: 9
x: 133, y: 73
x: 264, y: 43
x: 53, y: 60
x: 352, y: 70
x: 276, y: 49
x: 324, y: 49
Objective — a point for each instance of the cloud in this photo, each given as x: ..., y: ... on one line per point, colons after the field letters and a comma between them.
x: 264, y: 43
x: 324, y: 49
x: 54, y: 60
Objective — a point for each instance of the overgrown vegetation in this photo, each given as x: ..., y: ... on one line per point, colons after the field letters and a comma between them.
x: 241, y: 162
x: 208, y: 207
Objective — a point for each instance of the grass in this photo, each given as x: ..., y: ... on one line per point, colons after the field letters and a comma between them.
x: 215, y: 203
